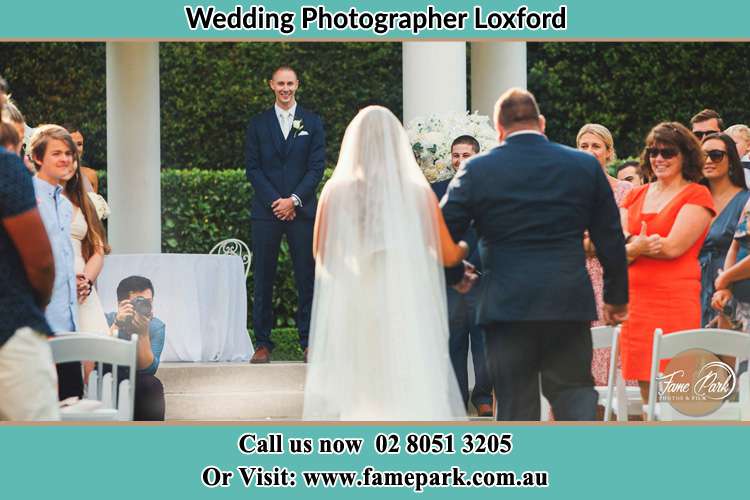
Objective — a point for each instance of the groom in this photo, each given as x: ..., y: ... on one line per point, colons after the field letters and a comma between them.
x: 531, y: 200
x: 284, y: 159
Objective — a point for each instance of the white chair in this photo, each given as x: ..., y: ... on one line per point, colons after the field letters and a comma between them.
x: 717, y: 341
x: 233, y: 246
x: 105, y: 400
x: 615, y: 395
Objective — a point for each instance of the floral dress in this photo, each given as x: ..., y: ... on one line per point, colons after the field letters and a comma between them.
x: 600, y: 360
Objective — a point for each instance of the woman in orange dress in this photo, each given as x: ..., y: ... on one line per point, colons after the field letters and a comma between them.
x: 665, y: 222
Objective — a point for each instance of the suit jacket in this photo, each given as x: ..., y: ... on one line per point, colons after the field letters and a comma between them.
x: 471, y: 239
x: 531, y: 200
x: 278, y: 167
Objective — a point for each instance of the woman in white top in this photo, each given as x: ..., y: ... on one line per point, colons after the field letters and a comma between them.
x: 89, y: 246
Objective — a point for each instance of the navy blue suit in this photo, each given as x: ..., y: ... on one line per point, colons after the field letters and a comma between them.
x: 277, y: 168
x: 464, y: 333
x: 531, y: 201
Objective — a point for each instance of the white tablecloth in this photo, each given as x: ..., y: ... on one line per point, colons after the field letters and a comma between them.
x: 201, y: 298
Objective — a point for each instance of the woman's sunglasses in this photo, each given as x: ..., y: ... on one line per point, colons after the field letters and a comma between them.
x: 715, y: 155
x: 665, y: 153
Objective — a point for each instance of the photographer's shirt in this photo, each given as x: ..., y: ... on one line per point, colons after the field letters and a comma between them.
x: 57, y: 215
x: 18, y: 307
x: 157, y: 330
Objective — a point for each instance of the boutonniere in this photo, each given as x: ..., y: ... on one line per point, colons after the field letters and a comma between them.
x: 297, y: 126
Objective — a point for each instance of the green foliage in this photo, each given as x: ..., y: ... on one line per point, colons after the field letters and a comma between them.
x: 286, y: 342
x: 208, y: 91
x: 630, y: 87
x: 202, y: 207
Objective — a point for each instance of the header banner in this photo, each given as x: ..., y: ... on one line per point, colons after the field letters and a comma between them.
x: 371, y: 21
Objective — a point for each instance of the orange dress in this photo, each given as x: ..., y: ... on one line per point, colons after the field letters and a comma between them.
x: 663, y: 293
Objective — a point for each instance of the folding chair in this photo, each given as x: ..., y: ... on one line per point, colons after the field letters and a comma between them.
x: 105, y: 398
x: 615, y: 395
x: 716, y: 341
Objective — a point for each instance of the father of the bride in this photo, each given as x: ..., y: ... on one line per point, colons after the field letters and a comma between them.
x: 532, y: 200
x: 284, y: 158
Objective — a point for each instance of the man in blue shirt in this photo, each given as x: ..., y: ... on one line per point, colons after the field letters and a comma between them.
x: 54, y: 151
x: 135, y: 296
x: 27, y: 373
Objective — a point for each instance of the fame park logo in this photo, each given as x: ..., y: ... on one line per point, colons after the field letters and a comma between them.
x: 696, y: 382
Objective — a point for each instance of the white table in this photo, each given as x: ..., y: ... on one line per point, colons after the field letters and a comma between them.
x: 201, y: 298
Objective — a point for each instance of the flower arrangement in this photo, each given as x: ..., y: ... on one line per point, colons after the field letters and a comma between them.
x: 431, y: 138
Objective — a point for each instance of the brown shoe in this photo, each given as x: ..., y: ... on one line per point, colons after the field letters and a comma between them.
x: 306, y: 349
x: 262, y: 355
x: 484, y: 410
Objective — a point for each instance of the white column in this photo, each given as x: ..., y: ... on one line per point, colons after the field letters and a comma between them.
x: 434, y: 78
x: 495, y: 67
x: 133, y: 147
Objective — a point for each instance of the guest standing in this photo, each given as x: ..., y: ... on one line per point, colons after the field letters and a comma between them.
x: 723, y: 174
x: 53, y: 151
x: 597, y: 140
x: 284, y: 158
x: 666, y: 222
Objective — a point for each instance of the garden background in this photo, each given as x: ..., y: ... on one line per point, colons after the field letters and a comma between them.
x: 209, y: 90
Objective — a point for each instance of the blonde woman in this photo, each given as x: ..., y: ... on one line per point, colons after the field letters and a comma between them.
x: 597, y: 140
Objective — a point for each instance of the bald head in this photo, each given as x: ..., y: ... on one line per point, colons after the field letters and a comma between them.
x: 517, y: 109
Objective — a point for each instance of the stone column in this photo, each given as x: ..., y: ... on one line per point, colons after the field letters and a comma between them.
x: 133, y: 147
x: 434, y: 78
x: 495, y: 67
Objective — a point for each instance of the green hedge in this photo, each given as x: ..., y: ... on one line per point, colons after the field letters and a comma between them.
x: 202, y: 207
x: 630, y: 87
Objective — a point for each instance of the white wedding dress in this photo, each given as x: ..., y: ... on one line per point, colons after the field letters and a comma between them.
x: 91, y: 317
x: 379, y: 329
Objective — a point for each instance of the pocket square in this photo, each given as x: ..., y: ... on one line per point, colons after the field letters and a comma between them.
x: 304, y: 132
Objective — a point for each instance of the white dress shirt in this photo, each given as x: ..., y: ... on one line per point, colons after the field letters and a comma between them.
x: 285, y: 117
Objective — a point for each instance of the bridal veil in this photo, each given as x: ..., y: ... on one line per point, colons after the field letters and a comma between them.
x: 379, y: 329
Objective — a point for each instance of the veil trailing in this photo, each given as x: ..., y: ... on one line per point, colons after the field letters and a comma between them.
x: 379, y: 329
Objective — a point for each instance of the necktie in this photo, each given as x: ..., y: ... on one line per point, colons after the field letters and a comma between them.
x: 287, y: 124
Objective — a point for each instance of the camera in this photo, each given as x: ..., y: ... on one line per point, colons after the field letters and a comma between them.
x: 141, y: 306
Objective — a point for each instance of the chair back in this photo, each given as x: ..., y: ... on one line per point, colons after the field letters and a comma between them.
x: 75, y: 346
x: 717, y: 341
x: 607, y: 336
x: 233, y: 246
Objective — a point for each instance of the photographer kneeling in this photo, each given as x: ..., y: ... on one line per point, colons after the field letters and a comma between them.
x: 135, y: 315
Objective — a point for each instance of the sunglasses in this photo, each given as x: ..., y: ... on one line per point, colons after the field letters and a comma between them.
x: 715, y: 155
x: 700, y: 134
x: 665, y: 153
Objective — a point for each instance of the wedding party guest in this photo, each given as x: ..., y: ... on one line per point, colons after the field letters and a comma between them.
x: 597, y: 140
x: 13, y: 115
x: 723, y: 174
x: 706, y: 122
x: 740, y: 134
x: 379, y: 331
x: 536, y: 301
x: 733, y: 284
x: 89, y: 248
x: 54, y: 151
x: 666, y: 222
x: 464, y: 332
x: 630, y: 171
x: 28, y: 382
x: 9, y: 139
x: 284, y: 159
x: 89, y: 173
x: 135, y: 315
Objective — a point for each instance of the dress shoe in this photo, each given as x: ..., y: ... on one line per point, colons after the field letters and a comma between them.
x: 484, y: 410
x: 261, y: 355
x: 306, y: 349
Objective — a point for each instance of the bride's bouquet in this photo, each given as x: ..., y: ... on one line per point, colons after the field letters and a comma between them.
x: 431, y: 138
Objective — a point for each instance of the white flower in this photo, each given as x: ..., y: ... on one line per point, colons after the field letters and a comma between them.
x: 297, y: 125
x: 100, y: 204
x: 431, y: 138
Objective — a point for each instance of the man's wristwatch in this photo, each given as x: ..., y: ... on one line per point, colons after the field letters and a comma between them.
x: 296, y: 200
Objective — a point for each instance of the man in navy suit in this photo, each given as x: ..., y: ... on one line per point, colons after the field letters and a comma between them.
x: 464, y: 332
x: 531, y: 201
x: 285, y: 159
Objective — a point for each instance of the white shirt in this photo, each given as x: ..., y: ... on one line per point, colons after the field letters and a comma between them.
x: 285, y: 117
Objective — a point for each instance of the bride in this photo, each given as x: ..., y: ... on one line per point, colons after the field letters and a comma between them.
x: 379, y: 330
